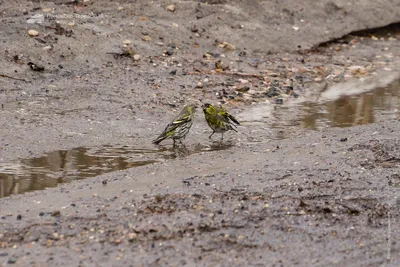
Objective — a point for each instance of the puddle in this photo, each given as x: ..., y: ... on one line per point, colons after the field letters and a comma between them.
x: 67, y: 165
x: 335, y: 108
x: 350, y: 110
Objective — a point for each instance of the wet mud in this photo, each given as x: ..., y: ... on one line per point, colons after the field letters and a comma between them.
x: 265, y: 204
x: 310, y: 178
x: 80, y: 163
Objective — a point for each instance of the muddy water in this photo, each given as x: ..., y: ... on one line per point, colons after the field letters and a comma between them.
x: 351, y: 110
x: 66, y: 165
x: 342, y: 106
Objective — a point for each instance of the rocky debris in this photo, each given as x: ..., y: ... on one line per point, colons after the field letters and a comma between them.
x: 170, y: 51
x: 33, y: 33
x: 199, y: 85
x: 35, y: 67
x: 127, y: 42
x: 127, y: 51
x: 227, y: 46
x: 146, y: 38
x: 194, y: 28
x: 136, y: 57
x: 59, y: 30
x: 12, y: 260
x: 171, y: 8
x: 56, y: 213
x: 36, y: 19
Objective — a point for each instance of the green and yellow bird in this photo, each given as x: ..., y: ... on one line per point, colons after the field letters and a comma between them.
x: 179, y: 127
x: 219, y: 120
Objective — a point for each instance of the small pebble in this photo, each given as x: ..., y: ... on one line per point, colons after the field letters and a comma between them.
x: 171, y: 8
x: 170, y: 51
x: 56, y: 213
x: 199, y: 85
x: 194, y: 28
x: 33, y: 33
x: 11, y: 260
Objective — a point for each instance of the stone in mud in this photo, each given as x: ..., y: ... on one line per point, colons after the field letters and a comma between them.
x: 170, y: 51
x: 12, y: 260
x: 227, y: 46
x: 272, y: 91
x: 194, y: 28
x: 33, y: 33
x: 171, y: 8
x: 56, y: 213
x: 243, y: 89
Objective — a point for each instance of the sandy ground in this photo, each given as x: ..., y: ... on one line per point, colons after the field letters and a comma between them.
x: 314, y: 197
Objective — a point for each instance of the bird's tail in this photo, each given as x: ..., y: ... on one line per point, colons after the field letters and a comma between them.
x: 159, y: 139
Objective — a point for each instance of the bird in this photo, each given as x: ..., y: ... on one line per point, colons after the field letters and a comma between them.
x: 179, y: 127
x: 219, y: 120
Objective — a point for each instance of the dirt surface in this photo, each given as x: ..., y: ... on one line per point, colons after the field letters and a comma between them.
x: 315, y: 200
x: 116, y: 74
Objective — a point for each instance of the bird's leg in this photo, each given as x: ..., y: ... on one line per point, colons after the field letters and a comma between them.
x: 211, y: 134
x: 174, y: 142
x: 222, y: 137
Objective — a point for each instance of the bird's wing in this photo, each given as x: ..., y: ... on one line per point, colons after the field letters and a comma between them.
x: 176, y: 123
x: 223, y: 116
x: 226, y: 117
x: 180, y: 121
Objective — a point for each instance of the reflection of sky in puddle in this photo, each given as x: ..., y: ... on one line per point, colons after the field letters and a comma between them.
x: 67, y: 165
x: 353, y: 110
x: 343, y: 111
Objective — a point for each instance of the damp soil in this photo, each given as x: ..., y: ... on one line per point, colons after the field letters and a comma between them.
x: 311, y: 177
x: 64, y: 166
x: 325, y: 197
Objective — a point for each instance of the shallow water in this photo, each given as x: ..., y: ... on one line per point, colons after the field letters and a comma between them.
x: 334, y: 108
x: 340, y: 110
x: 355, y: 109
x: 63, y: 166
